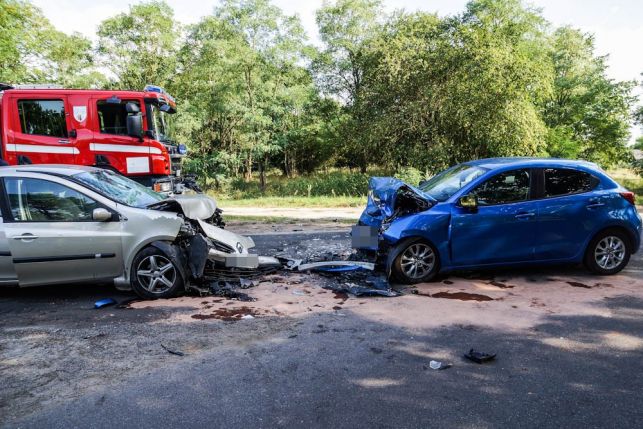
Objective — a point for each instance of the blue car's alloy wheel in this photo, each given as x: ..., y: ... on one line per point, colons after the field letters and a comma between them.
x: 608, y: 252
x: 417, y: 262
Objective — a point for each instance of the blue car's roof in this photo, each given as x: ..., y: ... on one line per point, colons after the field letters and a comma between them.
x: 493, y: 163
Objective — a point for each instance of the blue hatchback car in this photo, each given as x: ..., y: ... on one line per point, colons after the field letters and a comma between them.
x: 500, y: 212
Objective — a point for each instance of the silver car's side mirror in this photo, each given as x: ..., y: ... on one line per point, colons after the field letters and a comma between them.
x: 101, y: 215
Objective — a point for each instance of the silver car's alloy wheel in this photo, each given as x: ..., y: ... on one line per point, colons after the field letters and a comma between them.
x: 609, y: 252
x: 156, y: 274
x: 417, y: 260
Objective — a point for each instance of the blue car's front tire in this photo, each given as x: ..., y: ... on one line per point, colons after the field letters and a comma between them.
x: 416, y: 261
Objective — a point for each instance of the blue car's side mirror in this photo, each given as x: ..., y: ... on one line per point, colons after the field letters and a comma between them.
x: 469, y: 202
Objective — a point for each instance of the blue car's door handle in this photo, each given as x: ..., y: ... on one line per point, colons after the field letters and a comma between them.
x: 525, y: 215
x: 593, y: 205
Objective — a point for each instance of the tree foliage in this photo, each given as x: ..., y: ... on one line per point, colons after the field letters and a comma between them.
x: 406, y: 92
x: 32, y: 50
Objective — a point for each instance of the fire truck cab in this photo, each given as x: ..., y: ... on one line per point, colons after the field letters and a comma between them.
x: 127, y: 131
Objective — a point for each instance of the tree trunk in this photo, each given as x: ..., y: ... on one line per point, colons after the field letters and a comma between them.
x: 262, y: 174
x: 248, y: 169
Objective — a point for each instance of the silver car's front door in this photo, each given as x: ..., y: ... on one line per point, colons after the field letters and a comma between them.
x: 7, y: 272
x: 52, y: 236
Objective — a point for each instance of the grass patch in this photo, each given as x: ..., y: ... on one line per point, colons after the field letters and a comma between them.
x: 284, y: 220
x: 631, y: 180
x: 313, y: 202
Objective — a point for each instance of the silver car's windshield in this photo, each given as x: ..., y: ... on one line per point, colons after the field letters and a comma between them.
x: 119, y: 188
x: 443, y: 185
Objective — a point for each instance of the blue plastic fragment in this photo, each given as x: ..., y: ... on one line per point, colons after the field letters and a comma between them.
x: 338, y: 269
x: 104, y: 303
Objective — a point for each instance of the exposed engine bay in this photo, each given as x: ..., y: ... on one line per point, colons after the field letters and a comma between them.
x: 205, y: 250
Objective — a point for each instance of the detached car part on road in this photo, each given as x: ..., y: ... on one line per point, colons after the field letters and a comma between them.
x: 500, y: 212
x: 63, y: 224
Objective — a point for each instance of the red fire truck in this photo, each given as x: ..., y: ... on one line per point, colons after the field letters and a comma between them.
x: 127, y: 131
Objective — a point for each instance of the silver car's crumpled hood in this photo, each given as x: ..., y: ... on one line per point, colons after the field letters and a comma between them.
x: 227, y: 237
x: 197, y: 207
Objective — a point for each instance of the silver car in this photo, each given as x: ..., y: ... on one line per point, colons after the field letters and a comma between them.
x: 63, y: 224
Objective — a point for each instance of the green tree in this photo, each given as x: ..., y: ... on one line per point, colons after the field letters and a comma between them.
x: 140, y: 47
x: 439, y: 92
x: 18, y: 39
x: 346, y: 28
x: 244, y: 86
x: 32, y: 50
x: 588, y: 114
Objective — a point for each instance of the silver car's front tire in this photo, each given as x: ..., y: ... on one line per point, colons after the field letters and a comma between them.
x: 155, y: 275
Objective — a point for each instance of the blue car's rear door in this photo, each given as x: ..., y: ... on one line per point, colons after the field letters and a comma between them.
x: 502, y: 229
x: 569, y: 212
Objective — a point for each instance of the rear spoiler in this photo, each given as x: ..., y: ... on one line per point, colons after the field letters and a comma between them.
x: 5, y: 86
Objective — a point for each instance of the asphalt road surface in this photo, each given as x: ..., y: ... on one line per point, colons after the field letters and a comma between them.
x: 569, y: 351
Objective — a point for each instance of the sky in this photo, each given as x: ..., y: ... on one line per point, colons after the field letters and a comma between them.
x: 617, y: 24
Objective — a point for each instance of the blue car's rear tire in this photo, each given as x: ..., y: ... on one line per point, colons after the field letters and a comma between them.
x: 416, y: 262
x: 608, y: 252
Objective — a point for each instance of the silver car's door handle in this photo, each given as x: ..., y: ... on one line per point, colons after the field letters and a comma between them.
x: 525, y: 215
x: 25, y: 237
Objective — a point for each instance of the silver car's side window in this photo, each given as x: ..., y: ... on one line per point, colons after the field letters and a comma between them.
x: 37, y: 200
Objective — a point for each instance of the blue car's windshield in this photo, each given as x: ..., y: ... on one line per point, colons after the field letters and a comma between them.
x: 119, y: 188
x: 443, y: 185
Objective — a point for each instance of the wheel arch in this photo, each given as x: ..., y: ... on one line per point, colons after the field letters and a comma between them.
x: 631, y: 237
x: 168, y: 248
x: 402, y: 244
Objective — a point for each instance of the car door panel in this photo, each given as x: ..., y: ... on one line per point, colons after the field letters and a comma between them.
x: 494, y: 234
x: 502, y: 227
x: 61, y: 252
x: 40, y: 138
x: 566, y: 221
x: 8, y: 275
x: 52, y: 237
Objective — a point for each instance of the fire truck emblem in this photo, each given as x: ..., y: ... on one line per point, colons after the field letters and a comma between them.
x: 80, y: 113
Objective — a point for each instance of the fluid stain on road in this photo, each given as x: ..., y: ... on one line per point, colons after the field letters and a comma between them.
x: 579, y: 284
x: 462, y: 296
x: 501, y: 285
x: 227, y: 314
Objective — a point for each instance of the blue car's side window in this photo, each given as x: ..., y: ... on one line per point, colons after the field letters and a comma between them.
x: 508, y: 187
x: 565, y: 181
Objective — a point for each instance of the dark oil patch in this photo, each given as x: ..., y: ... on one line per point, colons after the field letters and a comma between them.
x: 579, y: 284
x: 500, y: 285
x: 462, y: 296
x: 337, y: 307
x: 340, y: 295
x: 447, y: 282
x: 227, y: 314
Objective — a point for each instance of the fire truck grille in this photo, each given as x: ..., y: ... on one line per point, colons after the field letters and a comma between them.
x: 175, y: 164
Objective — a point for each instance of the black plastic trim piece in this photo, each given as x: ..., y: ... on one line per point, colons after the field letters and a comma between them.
x: 63, y: 258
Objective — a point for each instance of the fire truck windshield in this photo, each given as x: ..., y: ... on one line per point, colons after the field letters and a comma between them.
x: 162, y: 123
x: 119, y: 188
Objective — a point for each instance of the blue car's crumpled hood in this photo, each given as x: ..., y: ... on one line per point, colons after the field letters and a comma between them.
x: 383, y: 192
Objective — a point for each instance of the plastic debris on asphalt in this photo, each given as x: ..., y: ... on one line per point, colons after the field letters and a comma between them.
x: 171, y: 351
x: 434, y: 364
x: 479, y: 357
x: 104, y: 303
